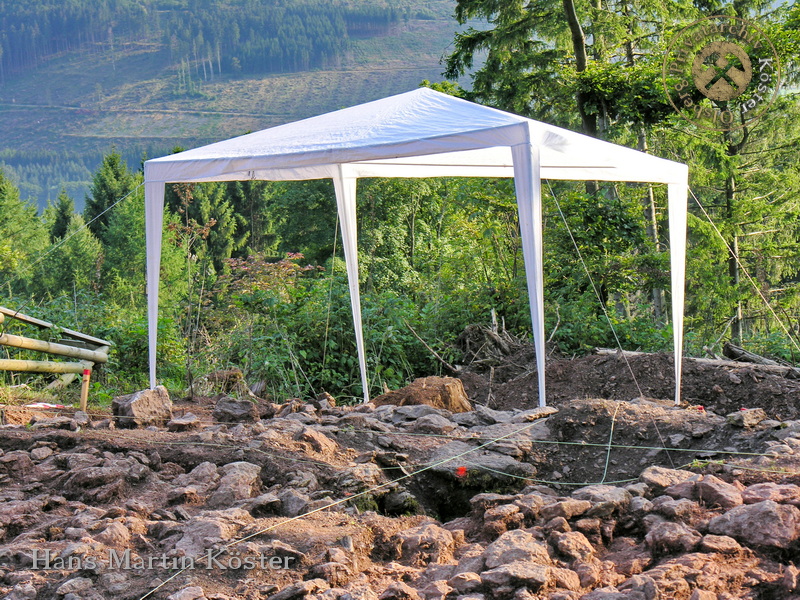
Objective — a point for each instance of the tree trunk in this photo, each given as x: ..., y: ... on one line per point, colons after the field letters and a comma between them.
x: 652, y: 230
x: 588, y: 121
x: 733, y: 245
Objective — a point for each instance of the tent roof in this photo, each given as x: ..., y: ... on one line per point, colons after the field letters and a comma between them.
x: 422, y: 133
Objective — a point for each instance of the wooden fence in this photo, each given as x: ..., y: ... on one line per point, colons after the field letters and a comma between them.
x: 88, y: 351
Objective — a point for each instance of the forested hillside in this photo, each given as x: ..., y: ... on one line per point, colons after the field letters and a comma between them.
x: 253, y: 273
x: 205, y: 37
x: 141, y: 76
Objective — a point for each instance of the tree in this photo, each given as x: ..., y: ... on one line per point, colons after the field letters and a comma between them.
x: 71, y: 264
x: 542, y: 58
x: 63, y: 212
x: 305, y: 218
x: 110, y: 184
x: 749, y: 186
x: 250, y: 200
x: 22, y: 236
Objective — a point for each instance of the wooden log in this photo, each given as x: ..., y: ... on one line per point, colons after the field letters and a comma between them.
x: 742, y: 355
x: 67, y: 378
x: 44, y: 324
x: 18, y: 341
x: 33, y: 366
x: 785, y: 371
x: 62, y: 381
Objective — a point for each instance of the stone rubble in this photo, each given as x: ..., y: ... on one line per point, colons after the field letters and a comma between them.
x: 106, y: 516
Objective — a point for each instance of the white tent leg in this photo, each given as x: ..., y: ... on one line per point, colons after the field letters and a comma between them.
x: 154, y: 221
x: 677, y: 195
x: 345, y: 187
x: 528, y: 184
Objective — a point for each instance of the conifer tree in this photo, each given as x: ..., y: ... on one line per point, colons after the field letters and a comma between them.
x: 63, y: 212
x: 22, y: 235
x: 110, y: 183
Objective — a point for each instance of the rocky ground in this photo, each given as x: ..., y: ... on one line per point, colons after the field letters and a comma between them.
x: 610, y: 493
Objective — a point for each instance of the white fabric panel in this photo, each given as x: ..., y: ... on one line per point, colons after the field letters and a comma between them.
x: 154, y: 222
x: 345, y: 186
x: 528, y: 186
x: 416, y: 124
x: 421, y: 133
x: 677, y: 194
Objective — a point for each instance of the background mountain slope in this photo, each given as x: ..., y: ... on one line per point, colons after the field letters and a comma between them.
x: 145, y: 76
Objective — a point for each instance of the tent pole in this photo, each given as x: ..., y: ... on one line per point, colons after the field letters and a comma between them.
x: 677, y: 196
x: 528, y: 184
x: 345, y: 186
x: 154, y: 221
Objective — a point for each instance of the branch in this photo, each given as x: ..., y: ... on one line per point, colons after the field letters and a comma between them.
x: 450, y: 367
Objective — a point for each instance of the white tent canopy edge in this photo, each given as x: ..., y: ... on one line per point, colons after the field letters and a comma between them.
x: 422, y: 133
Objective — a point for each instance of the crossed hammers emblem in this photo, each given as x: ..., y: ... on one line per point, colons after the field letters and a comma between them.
x: 722, y: 70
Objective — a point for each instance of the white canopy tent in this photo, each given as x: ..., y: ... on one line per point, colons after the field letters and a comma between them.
x: 421, y: 133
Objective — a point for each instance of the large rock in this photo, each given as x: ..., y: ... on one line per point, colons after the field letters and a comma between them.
x: 672, y: 537
x: 318, y: 441
x: 573, y: 544
x: 715, y: 492
x: 762, y: 524
x: 232, y: 410
x: 293, y: 502
x: 184, y: 423
x: 748, y: 417
x: 103, y: 484
x: 240, y: 480
x: 482, y: 467
x: 781, y: 493
x: 464, y: 583
x: 400, y: 591
x: 616, y: 498
x: 144, y: 408
x: 433, y: 424
x: 513, y: 546
x: 426, y: 544
x: 568, y: 509
x: 193, y: 592
x: 439, y: 392
x: 203, y: 531
x: 301, y: 590
x: 202, y: 478
x: 660, y: 478
x: 116, y: 535
x: 517, y: 574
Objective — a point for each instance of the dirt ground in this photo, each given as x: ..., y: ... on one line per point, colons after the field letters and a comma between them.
x: 651, y: 376
x: 614, y: 418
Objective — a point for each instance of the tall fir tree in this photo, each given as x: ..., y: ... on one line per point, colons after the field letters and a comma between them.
x: 63, y: 212
x: 22, y: 237
x: 110, y: 183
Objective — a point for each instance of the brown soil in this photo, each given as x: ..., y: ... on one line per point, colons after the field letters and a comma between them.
x: 721, y: 389
x: 608, y: 428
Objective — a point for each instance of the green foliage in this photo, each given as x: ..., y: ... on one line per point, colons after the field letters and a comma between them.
x: 22, y: 235
x: 110, y: 184
x: 60, y: 216
x: 304, y: 214
x: 252, y: 274
x: 129, y: 357
x: 71, y: 264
